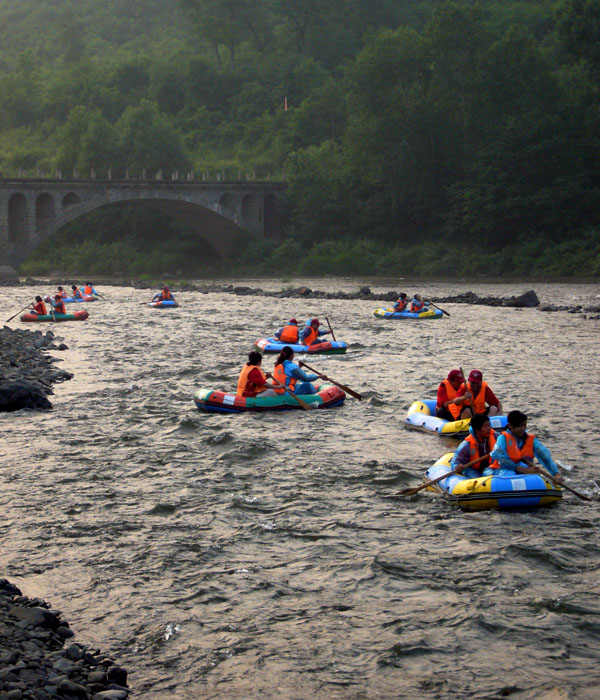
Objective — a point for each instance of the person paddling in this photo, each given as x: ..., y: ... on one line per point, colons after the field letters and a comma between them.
x: 39, y: 308
x: 288, y: 373
x: 402, y: 302
x: 89, y: 290
x: 479, y: 442
x: 76, y: 292
x: 417, y: 304
x: 515, y: 450
x: 58, y: 305
x: 252, y: 380
x: 164, y: 295
x: 311, y: 333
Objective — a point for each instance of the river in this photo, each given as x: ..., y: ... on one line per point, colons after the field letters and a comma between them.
x: 247, y: 556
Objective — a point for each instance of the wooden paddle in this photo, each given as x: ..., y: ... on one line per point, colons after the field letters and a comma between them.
x: 304, y: 405
x: 18, y: 312
x: 329, y: 379
x: 331, y: 329
x: 466, y: 387
x: 437, y: 307
x: 543, y: 471
x: 415, y: 489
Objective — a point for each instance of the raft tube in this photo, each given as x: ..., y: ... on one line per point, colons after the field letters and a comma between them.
x: 164, y: 304
x: 325, y: 348
x: 421, y: 416
x: 390, y: 313
x: 327, y: 396
x: 492, y: 492
x: 87, y: 297
x: 35, y: 318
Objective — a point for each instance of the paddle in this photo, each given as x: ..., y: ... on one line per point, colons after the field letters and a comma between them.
x: 330, y: 328
x: 543, y: 471
x: 415, y: 489
x: 329, y: 379
x: 437, y: 307
x: 18, y: 312
x: 304, y: 405
x: 471, y: 398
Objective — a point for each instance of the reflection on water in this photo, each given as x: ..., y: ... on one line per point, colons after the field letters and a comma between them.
x: 255, y: 555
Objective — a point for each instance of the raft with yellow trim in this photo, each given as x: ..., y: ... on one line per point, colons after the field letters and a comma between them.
x: 422, y: 315
x: 421, y: 416
x: 327, y: 396
x: 521, y: 491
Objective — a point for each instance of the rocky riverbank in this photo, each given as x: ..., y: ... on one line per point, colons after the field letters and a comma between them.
x: 39, y: 660
x: 27, y: 373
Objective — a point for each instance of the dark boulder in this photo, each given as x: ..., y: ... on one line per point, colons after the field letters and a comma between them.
x: 20, y: 394
x: 528, y: 300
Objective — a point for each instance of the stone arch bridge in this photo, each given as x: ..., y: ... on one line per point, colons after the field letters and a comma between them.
x: 31, y: 210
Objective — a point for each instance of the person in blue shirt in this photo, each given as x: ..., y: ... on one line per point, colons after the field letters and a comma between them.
x: 311, y: 333
x: 289, y: 374
x: 515, y: 449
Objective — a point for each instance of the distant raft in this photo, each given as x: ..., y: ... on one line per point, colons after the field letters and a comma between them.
x: 520, y: 491
x: 423, y: 315
x: 163, y: 304
x: 327, y: 396
x: 325, y: 348
x: 36, y: 318
x: 421, y: 416
x: 86, y: 297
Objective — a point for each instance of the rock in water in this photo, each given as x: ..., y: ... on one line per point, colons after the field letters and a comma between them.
x: 18, y: 394
x: 528, y: 300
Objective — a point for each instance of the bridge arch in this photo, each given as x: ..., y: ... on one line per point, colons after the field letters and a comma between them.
x: 18, y: 218
x: 71, y: 199
x: 45, y: 211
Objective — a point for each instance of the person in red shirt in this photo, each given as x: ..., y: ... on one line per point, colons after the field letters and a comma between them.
x: 480, y: 395
x: 449, y: 404
x: 252, y: 380
x: 39, y: 307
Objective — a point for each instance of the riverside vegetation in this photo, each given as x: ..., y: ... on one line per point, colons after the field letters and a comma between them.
x: 430, y: 138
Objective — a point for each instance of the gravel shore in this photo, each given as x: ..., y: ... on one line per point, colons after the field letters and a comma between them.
x: 39, y: 660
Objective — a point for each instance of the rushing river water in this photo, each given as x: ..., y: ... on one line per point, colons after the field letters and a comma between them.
x: 255, y: 556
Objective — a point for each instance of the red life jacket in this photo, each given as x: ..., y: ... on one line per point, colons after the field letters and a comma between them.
x: 516, y: 454
x: 417, y: 306
x: 451, y: 392
x: 289, y: 334
x: 40, y: 308
x: 311, y: 337
x: 474, y: 449
x: 246, y: 386
x: 165, y: 296
x: 280, y: 376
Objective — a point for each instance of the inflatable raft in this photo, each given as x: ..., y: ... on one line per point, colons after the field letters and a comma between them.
x: 327, y: 396
x: 390, y: 313
x: 325, y: 348
x: 87, y: 297
x: 35, y: 318
x: 421, y: 416
x: 492, y: 492
x: 164, y: 304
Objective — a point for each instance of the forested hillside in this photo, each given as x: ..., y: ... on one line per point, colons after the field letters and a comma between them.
x: 419, y: 137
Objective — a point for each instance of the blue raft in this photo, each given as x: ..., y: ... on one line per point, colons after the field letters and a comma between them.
x: 421, y: 416
x: 326, y: 347
x: 422, y: 315
x: 86, y: 298
x: 163, y: 304
x: 521, y: 491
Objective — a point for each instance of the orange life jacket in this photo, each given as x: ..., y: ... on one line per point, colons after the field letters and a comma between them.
x: 417, y: 306
x: 59, y: 307
x: 63, y: 294
x: 77, y: 294
x: 400, y: 305
x: 474, y: 448
x: 479, y: 400
x: 516, y: 454
x: 280, y: 376
x: 245, y: 384
x: 311, y: 337
x: 165, y: 295
x: 451, y: 392
x: 88, y: 290
x: 289, y: 334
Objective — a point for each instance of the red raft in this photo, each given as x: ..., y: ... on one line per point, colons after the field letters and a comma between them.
x: 37, y: 318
